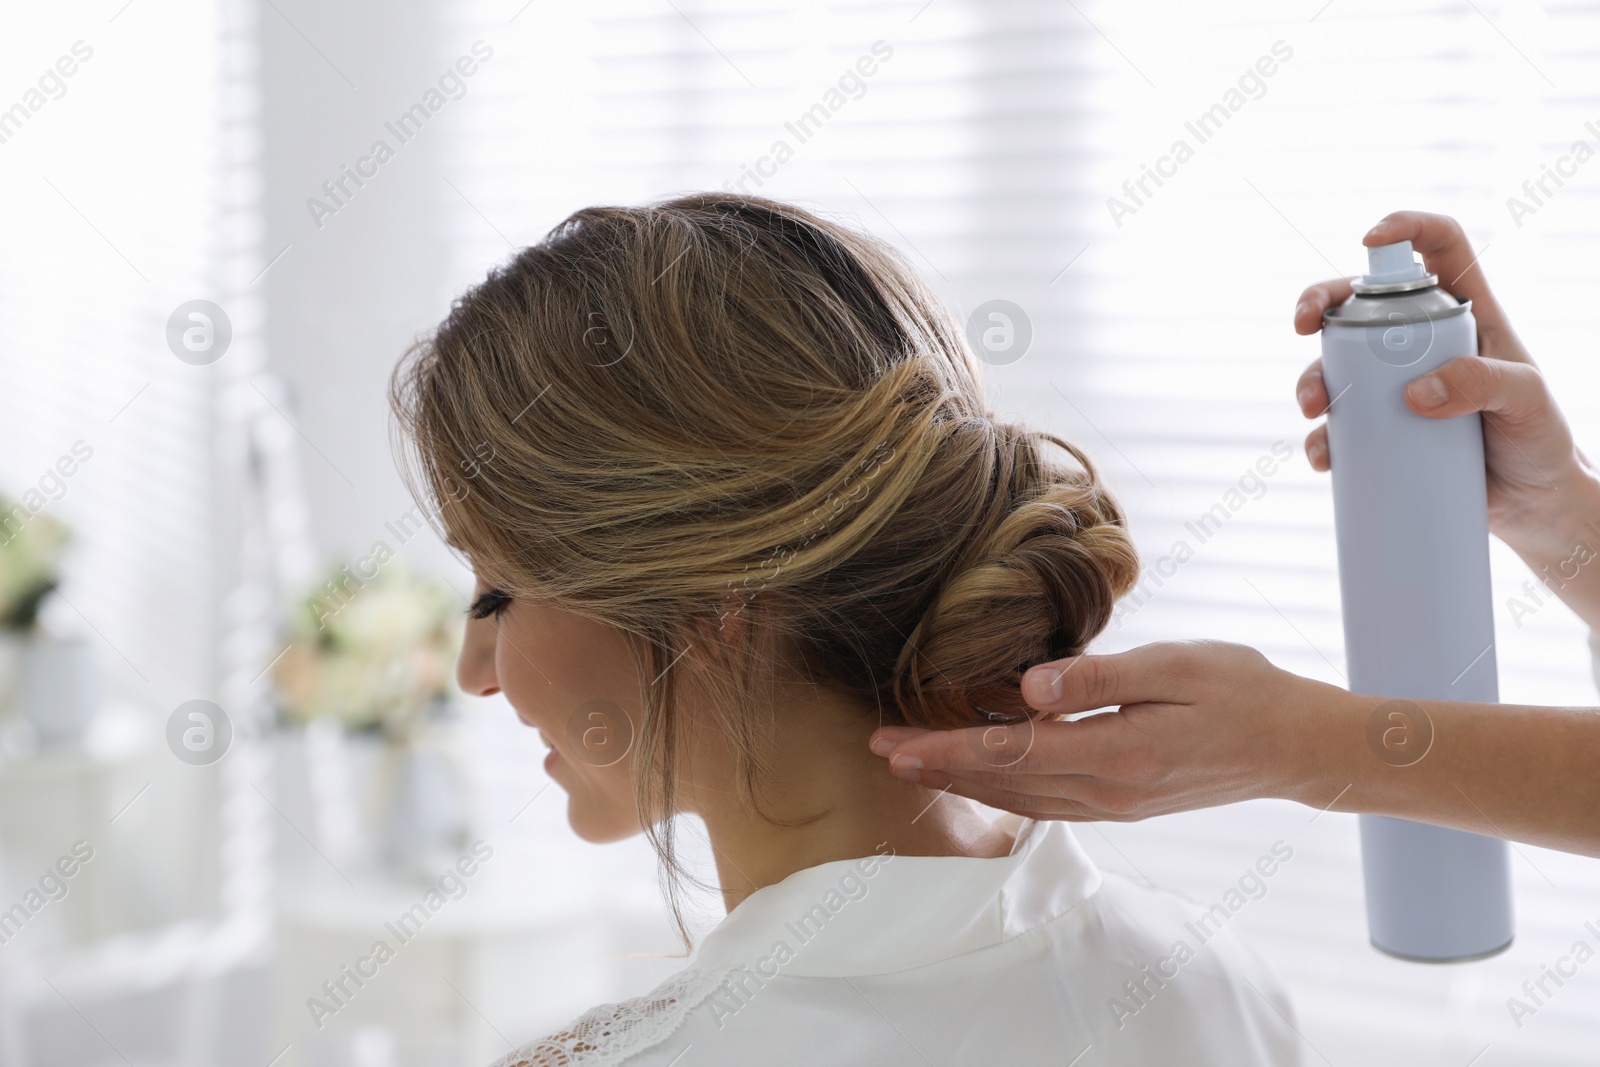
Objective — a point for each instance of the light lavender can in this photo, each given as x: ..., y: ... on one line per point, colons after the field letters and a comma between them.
x: 1411, y: 518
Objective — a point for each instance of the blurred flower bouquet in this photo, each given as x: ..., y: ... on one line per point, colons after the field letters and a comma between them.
x: 51, y: 678
x: 374, y: 652
x: 30, y: 563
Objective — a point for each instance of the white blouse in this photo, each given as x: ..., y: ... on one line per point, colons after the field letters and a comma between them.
x: 1036, y: 958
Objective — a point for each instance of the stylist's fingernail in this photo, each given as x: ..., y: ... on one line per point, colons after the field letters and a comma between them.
x: 1041, y: 685
x: 881, y: 746
x: 906, y: 767
x: 1379, y: 230
x: 1428, y: 392
x: 1317, y: 453
x: 1300, y: 309
x: 1304, y: 396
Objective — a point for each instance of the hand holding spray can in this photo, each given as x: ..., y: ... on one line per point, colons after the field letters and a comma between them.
x: 1411, y: 517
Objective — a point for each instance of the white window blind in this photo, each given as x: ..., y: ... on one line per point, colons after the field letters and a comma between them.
x: 986, y: 146
x: 128, y: 165
x: 128, y: 194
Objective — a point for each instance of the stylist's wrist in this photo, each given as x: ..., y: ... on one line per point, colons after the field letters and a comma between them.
x: 1561, y: 545
x: 1324, y: 754
x: 1568, y: 509
x: 1360, y: 762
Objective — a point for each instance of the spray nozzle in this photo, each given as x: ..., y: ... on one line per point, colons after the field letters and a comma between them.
x: 1387, y: 264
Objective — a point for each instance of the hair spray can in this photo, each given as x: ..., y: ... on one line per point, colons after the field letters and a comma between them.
x: 1411, y: 518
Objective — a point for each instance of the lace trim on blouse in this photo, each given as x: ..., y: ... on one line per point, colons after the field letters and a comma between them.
x: 611, y: 1033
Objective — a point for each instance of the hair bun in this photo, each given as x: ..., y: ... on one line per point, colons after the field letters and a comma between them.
x: 1036, y: 586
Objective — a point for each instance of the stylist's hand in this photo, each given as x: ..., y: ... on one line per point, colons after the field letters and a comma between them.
x: 1535, y: 472
x: 1202, y: 723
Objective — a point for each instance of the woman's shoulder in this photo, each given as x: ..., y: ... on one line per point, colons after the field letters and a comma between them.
x: 614, y: 1033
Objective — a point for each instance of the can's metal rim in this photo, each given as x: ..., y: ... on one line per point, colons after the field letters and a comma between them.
x: 1427, y: 281
x: 1389, y: 316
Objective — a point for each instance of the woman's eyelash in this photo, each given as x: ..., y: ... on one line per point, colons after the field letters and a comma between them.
x: 490, y: 603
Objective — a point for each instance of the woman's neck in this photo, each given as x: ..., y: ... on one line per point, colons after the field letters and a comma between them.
x: 828, y: 798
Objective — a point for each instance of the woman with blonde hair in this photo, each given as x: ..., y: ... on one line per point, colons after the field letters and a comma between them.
x: 733, y: 498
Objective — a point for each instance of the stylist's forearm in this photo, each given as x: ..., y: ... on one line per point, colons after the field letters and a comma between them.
x: 1524, y: 773
x: 1562, y: 548
x: 1202, y: 723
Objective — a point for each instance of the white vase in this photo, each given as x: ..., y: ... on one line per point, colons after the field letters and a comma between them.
x: 60, y: 690
x: 13, y: 645
x: 426, y: 810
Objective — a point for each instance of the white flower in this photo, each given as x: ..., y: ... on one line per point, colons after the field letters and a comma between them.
x: 370, y: 646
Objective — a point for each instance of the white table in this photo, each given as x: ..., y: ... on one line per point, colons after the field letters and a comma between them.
x: 507, y: 961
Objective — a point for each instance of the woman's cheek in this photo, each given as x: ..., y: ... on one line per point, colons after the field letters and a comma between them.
x: 593, y: 761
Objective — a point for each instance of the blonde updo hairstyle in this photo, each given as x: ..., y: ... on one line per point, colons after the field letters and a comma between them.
x: 722, y: 407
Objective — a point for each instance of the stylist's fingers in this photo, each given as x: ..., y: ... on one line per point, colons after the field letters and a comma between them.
x: 1154, y: 673
x: 1317, y: 449
x: 1447, y: 253
x: 1033, y: 747
x: 1515, y: 391
x: 884, y: 738
x: 1312, y: 392
x: 1315, y: 300
x: 1073, y: 798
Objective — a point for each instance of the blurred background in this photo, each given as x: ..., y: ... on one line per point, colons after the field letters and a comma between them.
x: 231, y: 760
